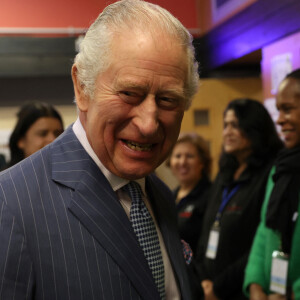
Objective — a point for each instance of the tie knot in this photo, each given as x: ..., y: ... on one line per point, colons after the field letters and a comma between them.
x: 134, y: 190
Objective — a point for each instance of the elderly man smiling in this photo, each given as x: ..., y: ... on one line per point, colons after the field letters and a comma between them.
x: 73, y: 214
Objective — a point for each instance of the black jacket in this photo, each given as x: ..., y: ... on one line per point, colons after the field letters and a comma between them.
x: 238, y: 225
x: 190, y: 212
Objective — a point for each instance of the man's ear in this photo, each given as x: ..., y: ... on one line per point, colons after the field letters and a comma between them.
x: 82, y: 99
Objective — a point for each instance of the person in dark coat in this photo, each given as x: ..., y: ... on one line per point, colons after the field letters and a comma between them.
x: 250, y: 145
x: 190, y: 162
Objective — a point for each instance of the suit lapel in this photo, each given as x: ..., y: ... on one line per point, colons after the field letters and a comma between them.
x: 168, y: 227
x: 97, y: 207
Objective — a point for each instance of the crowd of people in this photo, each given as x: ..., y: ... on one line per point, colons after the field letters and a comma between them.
x: 273, y: 267
x: 250, y: 145
x: 82, y: 214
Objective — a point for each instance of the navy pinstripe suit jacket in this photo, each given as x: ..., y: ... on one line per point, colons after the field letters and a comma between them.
x: 64, y: 234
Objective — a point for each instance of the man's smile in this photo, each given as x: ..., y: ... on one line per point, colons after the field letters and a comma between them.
x: 137, y: 146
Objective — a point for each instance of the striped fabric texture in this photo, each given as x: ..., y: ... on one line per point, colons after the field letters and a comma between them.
x: 65, y: 236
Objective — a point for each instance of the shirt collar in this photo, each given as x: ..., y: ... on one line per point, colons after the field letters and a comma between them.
x: 115, y: 181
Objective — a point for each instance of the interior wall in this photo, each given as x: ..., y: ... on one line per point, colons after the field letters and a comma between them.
x: 210, y: 15
x: 214, y: 95
x: 76, y: 13
x: 8, y: 115
x: 277, y: 59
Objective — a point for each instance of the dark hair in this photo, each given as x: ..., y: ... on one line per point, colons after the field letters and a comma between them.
x: 202, y: 148
x: 257, y: 125
x: 294, y: 74
x: 27, y: 115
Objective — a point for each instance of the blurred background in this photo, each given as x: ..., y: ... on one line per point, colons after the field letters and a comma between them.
x: 244, y: 49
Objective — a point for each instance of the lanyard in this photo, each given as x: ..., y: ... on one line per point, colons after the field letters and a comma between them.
x: 225, y: 199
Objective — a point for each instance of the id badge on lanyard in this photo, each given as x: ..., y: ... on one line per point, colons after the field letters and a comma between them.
x: 279, y: 272
x: 213, y: 241
x: 214, y: 235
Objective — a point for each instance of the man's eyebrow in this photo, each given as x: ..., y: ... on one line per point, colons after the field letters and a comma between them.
x: 131, y: 85
x: 124, y: 84
x: 179, y: 93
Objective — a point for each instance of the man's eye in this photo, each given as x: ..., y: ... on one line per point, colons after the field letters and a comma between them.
x: 126, y: 93
x: 167, y: 102
x: 130, y: 97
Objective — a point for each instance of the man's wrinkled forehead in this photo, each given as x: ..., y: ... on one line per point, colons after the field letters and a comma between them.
x: 148, y: 42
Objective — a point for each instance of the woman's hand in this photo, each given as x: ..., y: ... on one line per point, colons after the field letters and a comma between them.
x: 257, y: 293
x: 209, y: 294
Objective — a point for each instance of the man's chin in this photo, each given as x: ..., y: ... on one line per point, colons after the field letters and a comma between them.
x: 134, y: 173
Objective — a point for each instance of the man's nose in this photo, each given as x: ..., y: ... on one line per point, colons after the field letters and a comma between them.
x: 146, y: 116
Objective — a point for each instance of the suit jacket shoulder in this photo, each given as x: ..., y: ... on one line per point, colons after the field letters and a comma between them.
x: 64, y: 234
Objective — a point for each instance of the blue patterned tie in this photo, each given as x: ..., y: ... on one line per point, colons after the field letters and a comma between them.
x: 145, y: 230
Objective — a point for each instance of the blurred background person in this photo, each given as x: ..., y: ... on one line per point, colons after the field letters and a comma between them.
x: 250, y: 144
x: 277, y: 239
x: 190, y: 163
x: 38, y: 124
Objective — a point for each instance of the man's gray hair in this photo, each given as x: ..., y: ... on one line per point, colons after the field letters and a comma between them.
x: 94, y: 55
